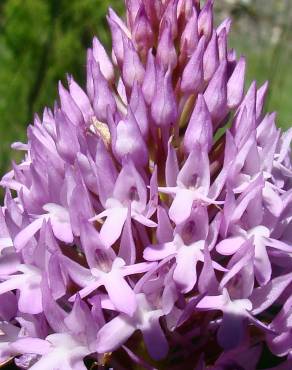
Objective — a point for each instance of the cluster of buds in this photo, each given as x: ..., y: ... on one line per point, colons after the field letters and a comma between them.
x: 150, y: 221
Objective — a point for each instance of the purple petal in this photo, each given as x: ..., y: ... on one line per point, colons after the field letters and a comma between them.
x: 80, y: 99
x: 30, y: 299
x: 90, y: 240
x: 120, y: 293
x: 148, y: 87
x: 211, y: 58
x: 190, y: 37
x: 159, y: 251
x: 103, y: 97
x: 129, y: 141
x: 263, y: 268
x: 207, y: 281
x: 181, y: 206
x: 164, y: 106
x: 133, y: 69
x: 166, y: 53
x: 113, y: 225
x: 235, y: 85
x: 79, y: 274
x: 113, y: 334
x: 171, y: 167
x: 127, y: 249
x: 263, y: 297
x: 272, y: 201
x: 200, y: 129
x: 164, y: 231
x: 195, y: 173
x: 62, y: 231
x: 102, y: 58
x: 216, y: 93
x: 193, y: 76
x: 24, y: 236
x: 230, y: 245
x: 185, y: 273
x: 31, y: 345
x: 69, y: 107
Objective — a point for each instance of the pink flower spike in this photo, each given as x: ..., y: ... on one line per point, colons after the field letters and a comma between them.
x: 156, y: 199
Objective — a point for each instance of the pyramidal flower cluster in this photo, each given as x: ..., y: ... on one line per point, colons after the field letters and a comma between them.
x: 150, y: 221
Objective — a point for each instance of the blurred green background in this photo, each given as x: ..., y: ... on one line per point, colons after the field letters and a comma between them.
x: 42, y: 40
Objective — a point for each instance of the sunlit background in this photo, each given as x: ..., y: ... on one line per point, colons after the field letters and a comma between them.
x: 42, y: 40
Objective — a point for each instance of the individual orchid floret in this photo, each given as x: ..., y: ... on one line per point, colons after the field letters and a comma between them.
x: 108, y: 271
x: 27, y: 282
x: 62, y: 349
x: 146, y: 319
x: 235, y: 314
x: 60, y: 220
x: 261, y: 240
x: 129, y: 191
x: 187, y: 247
x: 193, y: 183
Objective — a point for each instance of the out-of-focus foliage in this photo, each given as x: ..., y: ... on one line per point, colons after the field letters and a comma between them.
x: 42, y: 40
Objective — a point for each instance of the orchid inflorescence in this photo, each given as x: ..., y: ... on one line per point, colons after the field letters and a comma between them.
x: 150, y: 221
